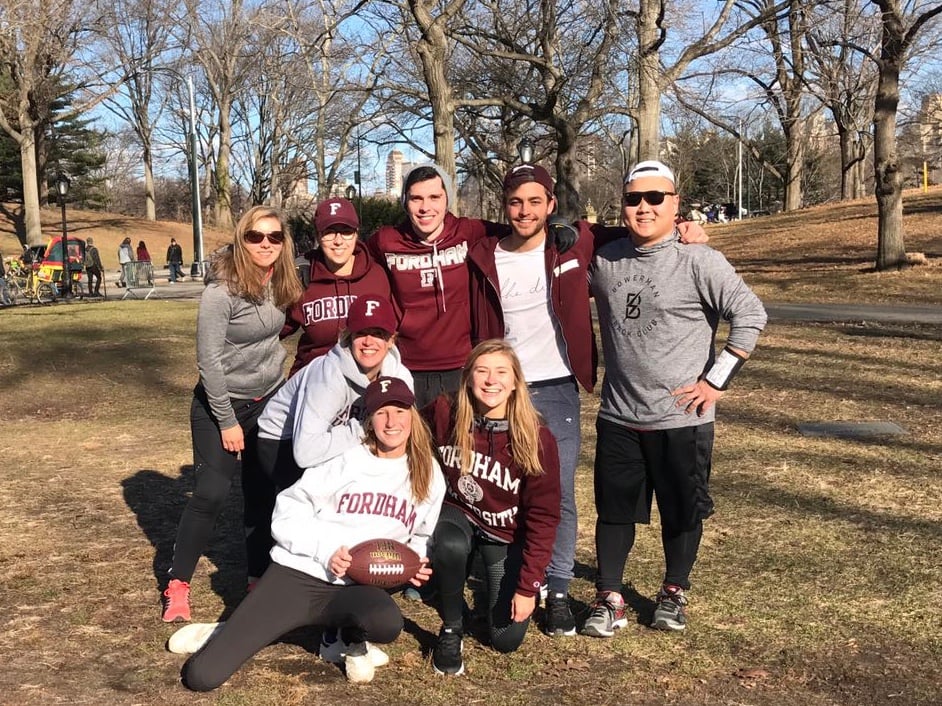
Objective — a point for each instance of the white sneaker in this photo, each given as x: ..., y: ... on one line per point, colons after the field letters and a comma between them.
x: 335, y: 652
x: 359, y: 668
x: 192, y: 637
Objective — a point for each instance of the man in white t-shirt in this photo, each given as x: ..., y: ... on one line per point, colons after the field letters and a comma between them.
x: 526, y: 292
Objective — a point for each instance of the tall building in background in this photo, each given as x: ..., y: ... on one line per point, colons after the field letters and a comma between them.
x: 396, y: 167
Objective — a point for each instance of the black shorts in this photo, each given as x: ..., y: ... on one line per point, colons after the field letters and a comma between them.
x: 673, y: 465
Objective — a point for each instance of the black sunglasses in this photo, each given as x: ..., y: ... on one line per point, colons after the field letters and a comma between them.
x: 654, y: 198
x: 276, y: 237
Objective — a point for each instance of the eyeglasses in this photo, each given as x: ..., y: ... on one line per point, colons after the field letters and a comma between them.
x: 334, y: 234
x: 276, y: 237
x: 654, y: 198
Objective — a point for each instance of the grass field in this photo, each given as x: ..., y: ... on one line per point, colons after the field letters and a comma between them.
x: 818, y: 581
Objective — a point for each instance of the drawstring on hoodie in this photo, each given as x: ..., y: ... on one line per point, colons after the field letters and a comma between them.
x: 491, y: 427
x: 438, y: 272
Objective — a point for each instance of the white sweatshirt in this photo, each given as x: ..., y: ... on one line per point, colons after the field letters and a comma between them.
x: 321, y: 406
x: 347, y: 500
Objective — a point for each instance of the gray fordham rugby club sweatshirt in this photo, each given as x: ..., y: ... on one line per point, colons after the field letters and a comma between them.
x: 659, y: 308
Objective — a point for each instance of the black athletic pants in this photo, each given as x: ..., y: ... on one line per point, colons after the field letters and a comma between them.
x: 214, y: 468
x: 283, y: 600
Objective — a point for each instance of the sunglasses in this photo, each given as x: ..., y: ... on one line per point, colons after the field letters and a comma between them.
x: 653, y: 198
x: 276, y: 237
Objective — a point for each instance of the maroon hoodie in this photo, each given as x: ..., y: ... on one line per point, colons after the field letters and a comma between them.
x: 322, y: 310
x: 567, y: 279
x: 496, y: 496
x: 429, y: 283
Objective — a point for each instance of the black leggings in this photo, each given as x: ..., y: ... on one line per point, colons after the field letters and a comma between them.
x: 215, y: 468
x: 285, y: 599
x: 453, y: 542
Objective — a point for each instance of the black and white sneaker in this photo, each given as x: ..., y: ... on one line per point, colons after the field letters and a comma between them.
x: 558, y: 620
x: 446, y: 657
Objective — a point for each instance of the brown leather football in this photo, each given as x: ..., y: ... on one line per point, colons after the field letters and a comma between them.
x: 384, y: 563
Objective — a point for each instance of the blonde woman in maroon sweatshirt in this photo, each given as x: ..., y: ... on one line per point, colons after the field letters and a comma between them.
x: 502, y: 469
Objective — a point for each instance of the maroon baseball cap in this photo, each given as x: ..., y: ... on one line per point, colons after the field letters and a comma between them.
x: 335, y: 212
x: 371, y: 312
x: 523, y: 173
x: 385, y: 391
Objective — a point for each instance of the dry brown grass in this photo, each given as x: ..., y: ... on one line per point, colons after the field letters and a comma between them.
x: 818, y: 581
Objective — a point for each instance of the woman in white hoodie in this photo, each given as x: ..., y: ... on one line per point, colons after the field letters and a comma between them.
x: 318, y: 413
x: 314, y: 525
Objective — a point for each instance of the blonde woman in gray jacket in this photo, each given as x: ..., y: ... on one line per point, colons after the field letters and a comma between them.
x: 241, y: 365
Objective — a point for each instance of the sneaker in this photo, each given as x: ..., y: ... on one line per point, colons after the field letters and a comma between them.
x: 670, y: 613
x: 558, y: 620
x: 191, y: 638
x: 446, y: 657
x: 335, y: 650
x: 357, y: 663
x: 607, y: 616
x: 176, y: 600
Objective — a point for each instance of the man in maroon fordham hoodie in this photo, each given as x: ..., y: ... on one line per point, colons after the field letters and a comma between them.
x: 341, y: 270
x: 425, y: 259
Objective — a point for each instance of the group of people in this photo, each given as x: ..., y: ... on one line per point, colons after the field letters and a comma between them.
x: 128, y: 255
x: 434, y: 399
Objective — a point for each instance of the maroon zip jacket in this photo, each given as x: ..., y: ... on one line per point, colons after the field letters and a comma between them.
x: 321, y: 312
x: 430, y: 289
x: 567, y: 279
x: 507, y: 505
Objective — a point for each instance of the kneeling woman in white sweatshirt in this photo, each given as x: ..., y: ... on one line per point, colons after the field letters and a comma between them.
x: 313, y: 530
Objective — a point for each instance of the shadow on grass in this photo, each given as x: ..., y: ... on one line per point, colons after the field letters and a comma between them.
x: 158, y: 502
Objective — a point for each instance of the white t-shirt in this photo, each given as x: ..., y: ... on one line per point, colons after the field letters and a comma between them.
x: 529, y: 324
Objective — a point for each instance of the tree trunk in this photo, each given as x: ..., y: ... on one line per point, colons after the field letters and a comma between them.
x: 649, y: 72
x: 888, y: 177
x: 222, y: 182
x: 432, y: 52
x: 150, y: 196
x: 34, y: 230
x: 569, y: 206
x: 794, y: 163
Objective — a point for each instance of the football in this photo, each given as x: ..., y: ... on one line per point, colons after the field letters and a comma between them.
x: 384, y: 563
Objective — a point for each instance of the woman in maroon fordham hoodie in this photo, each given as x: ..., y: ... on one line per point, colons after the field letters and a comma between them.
x: 341, y: 271
x: 502, y: 501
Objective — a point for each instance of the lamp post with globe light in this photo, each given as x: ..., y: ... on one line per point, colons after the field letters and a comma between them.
x: 62, y: 189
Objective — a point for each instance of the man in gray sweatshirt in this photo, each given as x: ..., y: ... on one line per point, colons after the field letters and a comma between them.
x: 659, y: 305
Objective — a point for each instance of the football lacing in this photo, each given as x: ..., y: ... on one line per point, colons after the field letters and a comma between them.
x: 386, y: 569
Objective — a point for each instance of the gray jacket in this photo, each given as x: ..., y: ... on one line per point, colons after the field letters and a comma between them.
x: 237, y: 349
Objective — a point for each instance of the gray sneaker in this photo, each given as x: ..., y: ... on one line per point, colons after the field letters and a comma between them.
x: 607, y: 616
x: 670, y: 613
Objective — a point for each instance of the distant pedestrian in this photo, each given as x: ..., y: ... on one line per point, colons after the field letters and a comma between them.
x: 93, y: 268
x: 175, y: 261
x: 142, y: 254
x: 125, y: 259
x: 5, y: 299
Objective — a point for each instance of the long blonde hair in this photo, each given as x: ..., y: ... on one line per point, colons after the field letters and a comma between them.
x: 419, y: 454
x: 235, y: 267
x: 523, y: 420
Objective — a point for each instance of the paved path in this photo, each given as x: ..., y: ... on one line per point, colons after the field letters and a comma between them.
x: 886, y: 313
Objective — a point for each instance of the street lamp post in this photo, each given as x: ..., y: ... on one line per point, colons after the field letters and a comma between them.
x: 525, y: 150
x: 193, y: 169
x: 62, y: 188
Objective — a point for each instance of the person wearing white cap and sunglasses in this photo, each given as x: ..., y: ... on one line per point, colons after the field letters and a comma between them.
x: 241, y: 364
x: 340, y: 270
x: 659, y: 306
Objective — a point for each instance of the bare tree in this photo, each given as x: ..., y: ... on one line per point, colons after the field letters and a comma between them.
x: 40, y: 46
x: 903, y: 21
x: 844, y: 80
x: 139, y: 36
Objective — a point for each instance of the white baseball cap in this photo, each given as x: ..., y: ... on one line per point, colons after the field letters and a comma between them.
x: 650, y: 168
